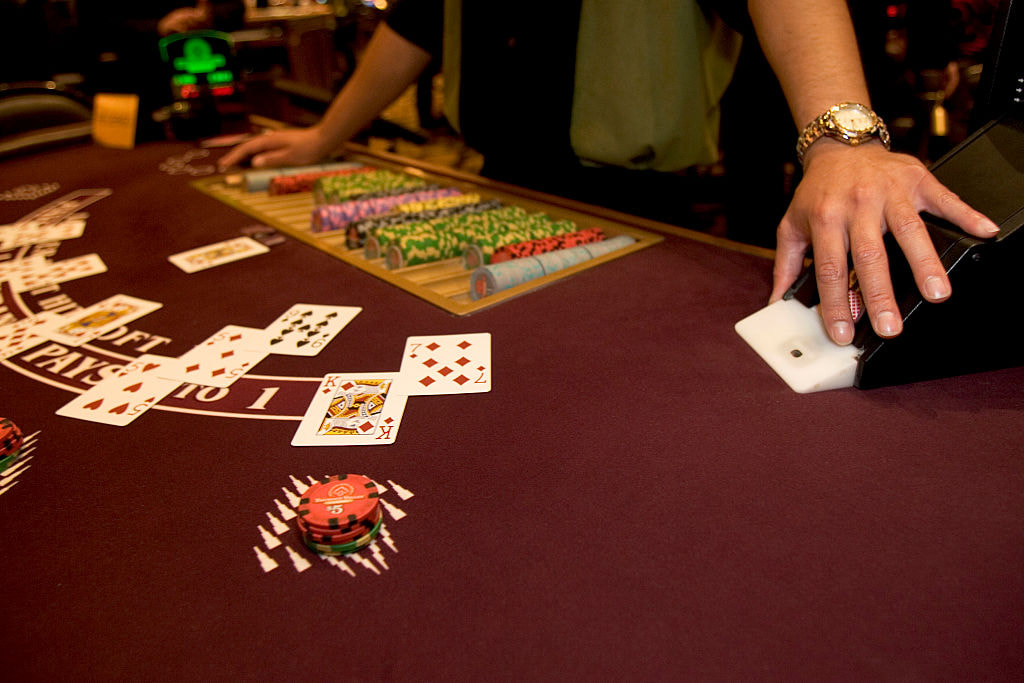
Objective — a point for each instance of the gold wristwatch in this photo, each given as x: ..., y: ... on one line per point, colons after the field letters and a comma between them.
x: 847, y: 122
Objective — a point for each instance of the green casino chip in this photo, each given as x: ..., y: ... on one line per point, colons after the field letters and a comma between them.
x: 345, y: 548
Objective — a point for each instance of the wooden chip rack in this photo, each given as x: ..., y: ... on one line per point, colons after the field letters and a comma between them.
x: 442, y: 283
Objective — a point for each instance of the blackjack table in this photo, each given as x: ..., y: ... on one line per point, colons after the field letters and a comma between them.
x: 638, y: 496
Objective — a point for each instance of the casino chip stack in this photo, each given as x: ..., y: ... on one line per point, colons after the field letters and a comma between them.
x: 330, y: 217
x: 362, y: 233
x: 450, y: 238
x: 303, y: 182
x: 497, y: 277
x: 335, y: 189
x: 11, y: 440
x: 340, y: 515
x: 543, y: 245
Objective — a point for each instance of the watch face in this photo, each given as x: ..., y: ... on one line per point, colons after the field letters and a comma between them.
x: 854, y: 118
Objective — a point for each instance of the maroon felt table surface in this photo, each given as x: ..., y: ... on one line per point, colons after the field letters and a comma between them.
x: 639, y: 497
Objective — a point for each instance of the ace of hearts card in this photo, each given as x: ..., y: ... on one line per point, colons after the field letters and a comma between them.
x: 352, y: 409
x: 433, y: 365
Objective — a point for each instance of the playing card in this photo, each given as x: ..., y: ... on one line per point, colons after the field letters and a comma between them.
x: 25, y: 333
x: 217, y: 254
x: 20, y: 234
x: 22, y: 266
x: 50, y: 273
x: 264, y: 234
x: 237, y: 337
x: 121, y: 399
x: 305, y: 329
x: 223, y: 357
x: 84, y: 325
x: 63, y: 208
x: 446, y: 364
x: 352, y: 409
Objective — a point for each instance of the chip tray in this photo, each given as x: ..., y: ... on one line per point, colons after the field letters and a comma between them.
x: 442, y: 283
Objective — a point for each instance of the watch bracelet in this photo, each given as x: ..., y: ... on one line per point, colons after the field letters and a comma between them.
x: 817, y: 129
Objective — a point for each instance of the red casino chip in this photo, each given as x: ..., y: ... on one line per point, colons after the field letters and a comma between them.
x: 334, y: 503
x: 479, y: 284
x: 353, y: 240
x: 351, y: 525
x: 11, y: 438
x: 303, y: 182
x: 350, y: 535
x: 544, y: 245
x: 587, y: 236
x: 856, y: 304
x: 371, y: 248
x: 344, y: 548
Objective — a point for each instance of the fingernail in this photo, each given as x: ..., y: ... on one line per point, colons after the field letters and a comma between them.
x: 887, y: 324
x: 935, y: 288
x: 842, y: 332
x: 989, y: 225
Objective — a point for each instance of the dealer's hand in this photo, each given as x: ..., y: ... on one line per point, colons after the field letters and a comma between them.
x: 849, y: 197
x: 388, y: 66
x: 280, y: 148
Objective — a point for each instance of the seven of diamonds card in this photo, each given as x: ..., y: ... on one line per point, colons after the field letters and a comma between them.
x: 446, y: 364
x: 352, y: 409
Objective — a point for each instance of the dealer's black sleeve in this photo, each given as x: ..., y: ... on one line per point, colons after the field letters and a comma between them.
x: 421, y: 22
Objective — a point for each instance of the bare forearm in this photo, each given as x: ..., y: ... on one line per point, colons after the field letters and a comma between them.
x: 812, y: 48
x: 389, y: 65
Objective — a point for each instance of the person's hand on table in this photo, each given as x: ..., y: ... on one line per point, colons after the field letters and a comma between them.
x: 388, y: 66
x: 296, y: 147
x: 849, y: 197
